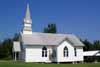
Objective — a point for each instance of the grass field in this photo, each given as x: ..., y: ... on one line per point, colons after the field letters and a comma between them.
x: 22, y: 64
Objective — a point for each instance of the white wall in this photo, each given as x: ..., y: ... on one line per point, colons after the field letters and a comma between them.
x: 34, y: 54
x: 27, y: 32
x: 27, y: 25
x: 71, y: 57
x: 80, y: 56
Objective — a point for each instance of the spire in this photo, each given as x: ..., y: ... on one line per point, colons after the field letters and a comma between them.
x: 27, y: 18
x: 27, y: 29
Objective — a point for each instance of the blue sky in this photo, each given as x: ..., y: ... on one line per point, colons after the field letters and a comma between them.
x: 79, y: 17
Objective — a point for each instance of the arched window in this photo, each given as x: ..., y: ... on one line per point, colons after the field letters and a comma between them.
x: 65, y: 52
x: 44, y: 52
x: 75, y: 52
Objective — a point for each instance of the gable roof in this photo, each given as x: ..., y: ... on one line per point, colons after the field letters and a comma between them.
x: 49, y: 39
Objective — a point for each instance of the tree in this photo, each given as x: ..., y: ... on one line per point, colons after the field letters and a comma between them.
x: 96, y: 45
x: 50, y: 29
x: 88, y: 45
x: 16, y: 37
x: 6, y: 47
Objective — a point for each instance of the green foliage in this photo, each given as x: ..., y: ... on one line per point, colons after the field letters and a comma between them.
x: 16, y: 37
x: 6, y: 47
x: 88, y: 45
x: 91, y: 46
x: 50, y: 29
x: 96, y: 45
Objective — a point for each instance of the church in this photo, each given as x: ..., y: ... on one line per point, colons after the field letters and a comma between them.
x: 47, y: 47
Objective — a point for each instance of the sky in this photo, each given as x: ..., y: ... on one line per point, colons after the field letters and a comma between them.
x: 79, y: 17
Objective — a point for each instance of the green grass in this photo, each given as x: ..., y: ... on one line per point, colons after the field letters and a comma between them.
x: 22, y: 64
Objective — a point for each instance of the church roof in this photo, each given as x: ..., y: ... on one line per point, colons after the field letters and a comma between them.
x: 92, y: 53
x: 49, y: 39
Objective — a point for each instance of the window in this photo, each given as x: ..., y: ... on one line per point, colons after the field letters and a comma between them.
x: 65, y: 52
x: 75, y: 52
x: 44, y: 52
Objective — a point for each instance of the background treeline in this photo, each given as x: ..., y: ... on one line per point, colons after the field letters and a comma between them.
x: 89, y: 47
x: 6, y: 45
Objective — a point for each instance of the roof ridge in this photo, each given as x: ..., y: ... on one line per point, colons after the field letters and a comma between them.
x: 50, y: 33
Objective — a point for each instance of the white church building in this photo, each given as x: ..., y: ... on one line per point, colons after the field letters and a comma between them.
x: 47, y: 47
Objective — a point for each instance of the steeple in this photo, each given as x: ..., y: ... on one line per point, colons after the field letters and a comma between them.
x: 27, y: 18
x: 27, y: 22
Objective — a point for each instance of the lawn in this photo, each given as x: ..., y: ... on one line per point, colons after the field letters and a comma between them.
x: 22, y: 64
